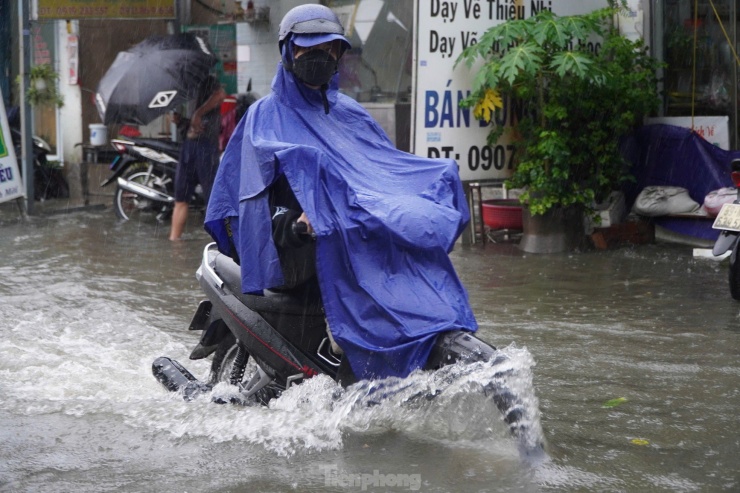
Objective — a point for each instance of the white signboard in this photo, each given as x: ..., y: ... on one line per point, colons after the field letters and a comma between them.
x: 714, y: 129
x: 11, y: 186
x: 441, y: 128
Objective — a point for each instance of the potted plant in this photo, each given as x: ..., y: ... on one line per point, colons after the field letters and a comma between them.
x: 42, y: 89
x: 582, y: 86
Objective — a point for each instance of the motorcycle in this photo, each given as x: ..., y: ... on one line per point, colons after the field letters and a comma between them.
x: 287, y: 339
x: 728, y: 222
x: 144, y: 170
x: 144, y: 173
x: 48, y: 179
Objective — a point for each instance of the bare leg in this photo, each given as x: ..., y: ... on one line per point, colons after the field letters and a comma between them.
x: 179, y: 218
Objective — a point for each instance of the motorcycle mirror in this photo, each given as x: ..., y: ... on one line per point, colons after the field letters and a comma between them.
x: 735, y: 175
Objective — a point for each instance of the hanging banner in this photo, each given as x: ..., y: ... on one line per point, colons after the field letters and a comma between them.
x: 714, y: 129
x: 441, y: 127
x: 105, y: 9
x: 73, y: 55
x: 11, y: 186
x: 631, y: 20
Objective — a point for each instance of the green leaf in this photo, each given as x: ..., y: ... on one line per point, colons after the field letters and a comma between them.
x: 509, y: 33
x: 579, y: 28
x: 523, y: 58
x: 494, y: 42
x: 492, y: 73
x: 549, y: 30
x: 574, y: 63
x: 479, y: 81
x: 615, y: 402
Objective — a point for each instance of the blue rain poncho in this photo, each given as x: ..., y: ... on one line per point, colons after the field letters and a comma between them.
x: 385, y: 222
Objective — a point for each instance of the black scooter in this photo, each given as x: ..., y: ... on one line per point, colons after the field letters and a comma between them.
x: 48, y: 179
x: 286, y: 336
x: 728, y: 221
x: 144, y: 174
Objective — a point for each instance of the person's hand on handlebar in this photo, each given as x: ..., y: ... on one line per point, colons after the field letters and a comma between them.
x: 304, y: 219
x: 302, y: 226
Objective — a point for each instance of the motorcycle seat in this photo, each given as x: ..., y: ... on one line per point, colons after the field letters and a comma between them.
x: 303, y: 303
x: 168, y: 147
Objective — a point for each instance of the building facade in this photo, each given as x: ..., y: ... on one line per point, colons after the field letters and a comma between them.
x: 697, y: 40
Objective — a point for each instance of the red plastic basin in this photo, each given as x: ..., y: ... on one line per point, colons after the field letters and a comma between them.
x: 502, y: 213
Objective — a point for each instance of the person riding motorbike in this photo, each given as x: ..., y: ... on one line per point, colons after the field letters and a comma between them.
x: 315, y: 59
x: 378, y: 222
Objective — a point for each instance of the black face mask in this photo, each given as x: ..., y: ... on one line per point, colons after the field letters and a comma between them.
x: 315, y: 67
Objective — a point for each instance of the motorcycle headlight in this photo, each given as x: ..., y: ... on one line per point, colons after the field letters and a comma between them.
x: 41, y: 144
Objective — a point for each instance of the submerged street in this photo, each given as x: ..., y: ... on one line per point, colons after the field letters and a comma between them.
x: 632, y: 354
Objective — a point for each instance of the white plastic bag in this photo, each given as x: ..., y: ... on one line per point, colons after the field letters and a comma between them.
x: 663, y: 201
x: 715, y: 199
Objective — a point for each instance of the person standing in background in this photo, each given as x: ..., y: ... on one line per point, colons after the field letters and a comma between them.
x: 199, y: 155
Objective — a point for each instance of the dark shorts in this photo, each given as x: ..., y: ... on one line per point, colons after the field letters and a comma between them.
x: 198, y: 165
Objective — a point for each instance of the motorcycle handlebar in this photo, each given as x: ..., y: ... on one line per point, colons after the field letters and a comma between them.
x: 301, y: 229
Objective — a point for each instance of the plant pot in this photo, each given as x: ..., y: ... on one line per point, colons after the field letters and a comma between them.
x: 557, y: 230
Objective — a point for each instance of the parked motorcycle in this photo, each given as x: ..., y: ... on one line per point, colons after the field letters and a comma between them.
x: 144, y: 173
x: 286, y: 336
x: 48, y: 178
x: 728, y: 222
x: 144, y: 170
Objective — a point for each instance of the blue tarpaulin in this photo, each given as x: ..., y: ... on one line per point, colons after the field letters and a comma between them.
x: 385, y: 222
x: 667, y: 155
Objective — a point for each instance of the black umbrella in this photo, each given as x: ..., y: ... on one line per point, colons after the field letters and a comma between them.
x: 153, y: 77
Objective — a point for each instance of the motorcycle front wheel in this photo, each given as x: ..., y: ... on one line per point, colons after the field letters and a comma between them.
x: 129, y: 205
x: 734, y: 277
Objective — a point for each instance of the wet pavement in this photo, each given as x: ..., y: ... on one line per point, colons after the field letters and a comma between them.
x: 633, y: 355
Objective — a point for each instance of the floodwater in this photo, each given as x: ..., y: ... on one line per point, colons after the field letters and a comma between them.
x: 628, y: 359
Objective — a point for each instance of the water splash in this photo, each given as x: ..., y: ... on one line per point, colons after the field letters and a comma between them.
x: 97, y: 362
x: 449, y: 405
x: 82, y: 351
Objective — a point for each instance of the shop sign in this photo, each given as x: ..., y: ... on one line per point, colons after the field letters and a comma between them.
x: 105, y: 9
x: 714, y: 129
x: 441, y: 127
x: 11, y: 186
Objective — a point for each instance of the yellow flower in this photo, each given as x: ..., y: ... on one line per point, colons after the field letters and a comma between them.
x: 487, y: 104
